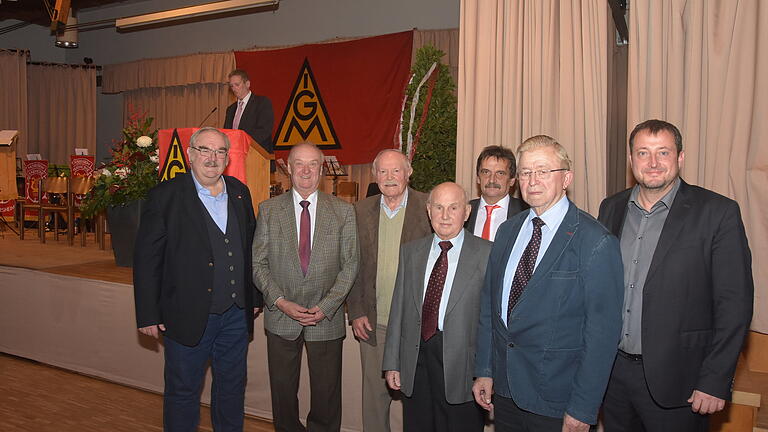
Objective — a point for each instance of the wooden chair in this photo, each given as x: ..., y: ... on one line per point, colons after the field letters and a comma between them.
x: 51, y: 186
x: 80, y: 186
x: 347, y: 190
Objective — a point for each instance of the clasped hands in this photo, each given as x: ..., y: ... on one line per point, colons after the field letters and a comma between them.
x: 305, y: 317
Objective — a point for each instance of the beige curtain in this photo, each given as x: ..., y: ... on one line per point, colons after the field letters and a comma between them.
x: 528, y: 68
x: 703, y: 66
x: 180, y: 106
x: 168, y: 72
x: 13, y: 115
x: 61, y: 110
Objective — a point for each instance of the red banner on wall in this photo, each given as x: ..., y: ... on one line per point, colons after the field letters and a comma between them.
x: 345, y: 96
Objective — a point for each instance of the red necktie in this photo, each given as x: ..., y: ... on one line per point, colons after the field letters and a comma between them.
x: 305, y: 245
x: 431, y: 307
x: 525, y: 266
x: 487, y: 227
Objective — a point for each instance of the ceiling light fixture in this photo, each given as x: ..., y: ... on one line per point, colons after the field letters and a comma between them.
x: 216, y: 8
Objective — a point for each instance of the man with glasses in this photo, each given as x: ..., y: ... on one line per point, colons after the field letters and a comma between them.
x: 550, y: 310
x: 496, y: 176
x: 192, y: 284
x: 305, y: 259
x: 688, y: 292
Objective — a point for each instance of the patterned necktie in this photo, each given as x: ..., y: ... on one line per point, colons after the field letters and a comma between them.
x: 525, y: 266
x: 487, y: 226
x: 431, y: 307
x: 238, y: 114
x: 305, y: 246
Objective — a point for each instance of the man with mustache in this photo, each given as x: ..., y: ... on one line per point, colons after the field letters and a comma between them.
x: 688, y: 292
x: 496, y: 177
x: 192, y: 284
x: 384, y: 222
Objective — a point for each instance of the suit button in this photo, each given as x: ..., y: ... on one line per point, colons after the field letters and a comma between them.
x: 229, y: 253
x: 210, y: 264
x: 226, y: 240
x: 209, y: 290
x: 511, y: 345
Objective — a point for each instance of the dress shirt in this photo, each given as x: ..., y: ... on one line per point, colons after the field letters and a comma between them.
x: 639, y: 237
x: 216, y: 205
x: 498, y: 217
x: 552, y: 219
x: 312, y: 198
x: 245, y: 102
x: 453, y: 261
x: 392, y: 213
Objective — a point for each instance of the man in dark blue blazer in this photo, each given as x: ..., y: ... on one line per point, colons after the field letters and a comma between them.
x: 192, y: 284
x: 550, y: 310
x: 688, y: 292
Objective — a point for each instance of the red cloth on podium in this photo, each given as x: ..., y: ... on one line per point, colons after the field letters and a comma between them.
x: 238, y: 151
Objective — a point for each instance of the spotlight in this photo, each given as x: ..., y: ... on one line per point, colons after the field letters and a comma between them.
x: 68, y: 37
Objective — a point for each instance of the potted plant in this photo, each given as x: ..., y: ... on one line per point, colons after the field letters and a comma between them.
x: 122, y: 184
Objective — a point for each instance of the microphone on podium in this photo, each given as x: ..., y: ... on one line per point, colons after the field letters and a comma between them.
x: 208, y: 116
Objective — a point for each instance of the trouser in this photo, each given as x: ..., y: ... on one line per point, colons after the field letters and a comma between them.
x: 225, y: 344
x: 377, y: 396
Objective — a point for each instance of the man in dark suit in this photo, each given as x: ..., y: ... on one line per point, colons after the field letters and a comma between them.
x: 433, y: 320
x: 305, y: 259
x: 496, y: 176
x: 550, y: 311
x: 250, y: 112
x: 384, y: 222
x: 688, y: 292
x: 192, y: 283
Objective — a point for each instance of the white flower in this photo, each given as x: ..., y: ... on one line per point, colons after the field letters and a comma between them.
x: 106, y: 172
x: 154, y: 159
x: 122, y: 172
x: 143, y: 141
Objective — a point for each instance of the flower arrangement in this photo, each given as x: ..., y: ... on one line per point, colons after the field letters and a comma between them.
x: 133, y: 170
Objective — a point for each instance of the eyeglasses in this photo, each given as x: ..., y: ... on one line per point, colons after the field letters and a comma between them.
x: 542, y: 174
x: 206, y: 152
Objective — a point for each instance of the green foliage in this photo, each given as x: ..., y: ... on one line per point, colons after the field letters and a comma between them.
x: 131, y: 173
x: 435, y: 159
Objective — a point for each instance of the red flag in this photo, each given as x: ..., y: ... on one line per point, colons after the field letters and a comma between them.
x: 345, y: 96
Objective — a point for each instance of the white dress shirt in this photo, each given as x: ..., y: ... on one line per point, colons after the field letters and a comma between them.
x: 498, y: 216
x: 297, y: 199
x: 453, y: 261
x: 552, y: 219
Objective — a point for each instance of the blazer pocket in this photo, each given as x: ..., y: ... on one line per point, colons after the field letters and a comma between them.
x: 567, y: 274
x: 558, y: 368
x: 695, y: 338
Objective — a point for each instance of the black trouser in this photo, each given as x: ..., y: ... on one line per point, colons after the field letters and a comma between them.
x: 629, y: 407
x: 427, y: 409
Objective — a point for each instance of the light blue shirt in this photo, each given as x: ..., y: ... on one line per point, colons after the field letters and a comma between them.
x: 552, y: 219
x: 216, y: 205
x: 392, y: 213
x: 453, y: 261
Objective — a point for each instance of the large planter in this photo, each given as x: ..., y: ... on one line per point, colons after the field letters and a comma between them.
x: 123, y: 223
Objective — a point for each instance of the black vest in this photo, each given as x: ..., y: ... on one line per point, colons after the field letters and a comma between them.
x: 228, y: 262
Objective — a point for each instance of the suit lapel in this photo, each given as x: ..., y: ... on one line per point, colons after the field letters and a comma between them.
x: 194, y: 211
x: 681, y: 208
x: 421, y: 254
x: 497, y: 286
x: 470, y: 225
x: 288, y: 228
x: 411, y: 217
x: 236, y: 199
x: 560, y: 241
x: 615, y: 219
x: 323, y: 218
x: 465, y: 271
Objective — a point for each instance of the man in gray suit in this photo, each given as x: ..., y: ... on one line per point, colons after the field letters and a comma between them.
x: 305, y: 259
x: 435, y: 308
x: 385, y: 221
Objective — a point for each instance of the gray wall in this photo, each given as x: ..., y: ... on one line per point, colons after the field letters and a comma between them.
x: 295, y: 21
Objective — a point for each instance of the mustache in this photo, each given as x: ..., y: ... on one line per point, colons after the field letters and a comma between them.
x: 492, y: 185
x: 391, y: 183
x: 211, y: 163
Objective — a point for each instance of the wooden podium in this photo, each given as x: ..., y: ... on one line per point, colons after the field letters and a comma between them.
x: 248, y: 161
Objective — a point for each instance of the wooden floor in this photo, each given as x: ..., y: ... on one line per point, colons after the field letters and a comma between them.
x: 40, y: 398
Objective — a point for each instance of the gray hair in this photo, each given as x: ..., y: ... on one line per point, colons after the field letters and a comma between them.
x: 208, y: 129
x: 383, y: 152
x: 545, y: 141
